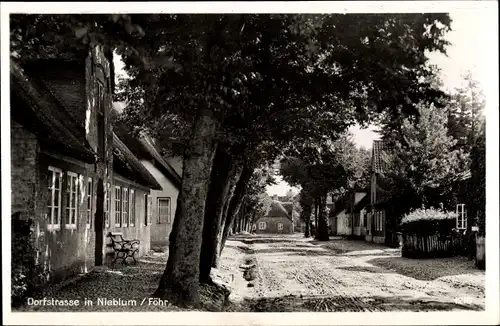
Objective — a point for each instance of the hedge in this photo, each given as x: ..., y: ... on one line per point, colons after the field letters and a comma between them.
x: 430, y: 233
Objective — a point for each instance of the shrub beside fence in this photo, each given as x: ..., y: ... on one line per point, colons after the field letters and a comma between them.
x: 428, y: 233
x: 26, y: 275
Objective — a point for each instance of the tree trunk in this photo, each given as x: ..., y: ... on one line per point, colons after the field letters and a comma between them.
x: 306, y: 217
x: 242, y: 224
x: 316, y: 207
x: 322, y: 228
x: 250, y: 222
x: 236, y: 201
x: 180, y: 280
x: 235, y: 176
x: 220, y: 180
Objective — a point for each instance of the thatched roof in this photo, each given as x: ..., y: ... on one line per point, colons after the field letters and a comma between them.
x: 276, y: 209
x: 36, y: 109
x: 143, y: 147
x: 33, y: 106
x: 125, y: 163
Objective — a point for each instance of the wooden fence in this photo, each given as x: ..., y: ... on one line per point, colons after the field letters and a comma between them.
x: 429, y: 246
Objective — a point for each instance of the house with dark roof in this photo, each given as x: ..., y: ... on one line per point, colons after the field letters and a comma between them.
x: 376, y: 226
x: 276, y: 221
x: 71, y: 175
x: 162, y: 203
x: 387, y: 208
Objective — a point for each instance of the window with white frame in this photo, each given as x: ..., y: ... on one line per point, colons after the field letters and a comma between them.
x: 164, y: 210
x: 54, y: 198
x: 125, y: 207
x: 71, y: 199
x: 118, y: 206
x: 132, y: 207
x: 461, y: 216
x: 90, y: 201
x: 107, y: 203
x: 280, y: 226
x: 379, y: 218
x: 262, y: 225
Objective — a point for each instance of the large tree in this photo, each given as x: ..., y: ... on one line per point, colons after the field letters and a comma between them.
x: 321, y: 169
x: 423, y: 162
x: 466, y: 112
x: 246, y: 83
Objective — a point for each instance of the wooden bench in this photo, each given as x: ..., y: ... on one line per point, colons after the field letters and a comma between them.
x: 123, y: 248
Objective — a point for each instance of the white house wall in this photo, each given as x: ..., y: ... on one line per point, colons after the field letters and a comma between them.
x: 343, y: 226
x: 161, y: 232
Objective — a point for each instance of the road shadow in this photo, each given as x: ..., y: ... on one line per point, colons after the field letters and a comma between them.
x: 351, y: 304
x: 427, y: 269
x: 369, y: 269
x: 265, y: 240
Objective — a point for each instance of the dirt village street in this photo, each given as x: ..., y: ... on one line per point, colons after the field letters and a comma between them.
x: 291, y: 273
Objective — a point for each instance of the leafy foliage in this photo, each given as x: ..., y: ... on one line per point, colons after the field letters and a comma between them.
x: 428, y: 222
x: 423, y: 161
x: 466, y: 113
x: 26, y: 275
x: 330, y: 66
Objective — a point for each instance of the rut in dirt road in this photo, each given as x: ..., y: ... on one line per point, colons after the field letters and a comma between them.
x: 290, y: 273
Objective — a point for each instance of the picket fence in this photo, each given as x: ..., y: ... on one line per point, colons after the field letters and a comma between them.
x: 430, y: 246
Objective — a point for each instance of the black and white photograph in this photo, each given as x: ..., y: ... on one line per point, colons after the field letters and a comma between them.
x: 264, y: 159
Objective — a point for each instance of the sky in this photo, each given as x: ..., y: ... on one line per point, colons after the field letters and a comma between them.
x: 472, y: 49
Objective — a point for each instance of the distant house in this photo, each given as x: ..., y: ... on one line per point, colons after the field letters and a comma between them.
x: 356, y: 211
x: 71, y: 175
x: 343, y: 223
x: 276, y: 220
x: 162, y: 203
x: 347, y: 215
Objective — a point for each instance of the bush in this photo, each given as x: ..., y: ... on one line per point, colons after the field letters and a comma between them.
x: 428, y: 221
x: 431, y: 233
x: 24, y: 273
